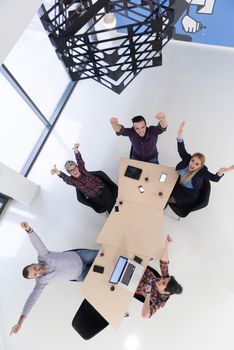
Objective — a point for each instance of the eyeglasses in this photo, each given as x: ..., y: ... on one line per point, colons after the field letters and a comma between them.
x: 71, y: 170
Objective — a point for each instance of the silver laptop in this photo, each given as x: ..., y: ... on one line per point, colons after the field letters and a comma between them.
x: 127, y: 273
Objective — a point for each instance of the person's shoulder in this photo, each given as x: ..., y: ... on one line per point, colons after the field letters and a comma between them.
x: 200, y: 174
x: 203, y: 169
x: 154, y: 129
x: 126, y: 131
x: 164, y: 298
x: 42, y: 280
x: 149, y: 130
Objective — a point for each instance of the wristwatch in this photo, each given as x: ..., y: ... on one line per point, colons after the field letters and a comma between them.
x: 30, y: 230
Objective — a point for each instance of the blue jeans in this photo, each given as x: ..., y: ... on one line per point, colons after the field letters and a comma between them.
x: 87, y: 256
x: 153, y: 160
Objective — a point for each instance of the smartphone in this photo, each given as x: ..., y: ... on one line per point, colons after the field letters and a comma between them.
x: 137, y: 259
x: 141, y: 189
x: 97, y: 268
x: 163, y: 177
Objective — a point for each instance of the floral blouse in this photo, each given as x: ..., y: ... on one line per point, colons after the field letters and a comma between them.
x: 157, y: 300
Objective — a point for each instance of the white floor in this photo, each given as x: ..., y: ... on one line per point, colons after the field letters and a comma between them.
x: 195, y: 84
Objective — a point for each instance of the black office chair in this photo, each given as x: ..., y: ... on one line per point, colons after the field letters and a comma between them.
x: 114, y: 189
x: 131, y: 150
x: 87, y: 321
x: 200, y: 203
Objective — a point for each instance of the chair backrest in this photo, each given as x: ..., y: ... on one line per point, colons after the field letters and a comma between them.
x: 204, y: 196
x: 201, y: 202
x: 87, y: 321
x: 105, y: 178
x: 82, y: 199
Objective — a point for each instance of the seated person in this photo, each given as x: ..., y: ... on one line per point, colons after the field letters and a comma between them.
x: 97, y: 193
x: 51, y: 267
x: 142, y: 137
x: 192, y: 172
x: 154, y: 289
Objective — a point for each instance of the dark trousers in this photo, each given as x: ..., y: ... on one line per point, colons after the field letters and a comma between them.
x: 105, y: 200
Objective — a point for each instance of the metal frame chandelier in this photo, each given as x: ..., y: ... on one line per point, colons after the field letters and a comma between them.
x: 108, y: 41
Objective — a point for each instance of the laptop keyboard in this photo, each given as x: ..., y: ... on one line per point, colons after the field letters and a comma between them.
x: 128, y: 274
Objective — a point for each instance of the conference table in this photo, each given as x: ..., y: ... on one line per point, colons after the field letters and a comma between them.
x: 136, y: 222
x: 134, y: 227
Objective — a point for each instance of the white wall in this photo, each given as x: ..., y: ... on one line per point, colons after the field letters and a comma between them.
x: 14, y: 18
x: 16, y: 186
x: 2, y: 347
x: 195, y: 83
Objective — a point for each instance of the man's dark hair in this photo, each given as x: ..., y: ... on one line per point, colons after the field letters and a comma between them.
x: 173, y: 287
x: 25, y: 271
x: 138, y: 119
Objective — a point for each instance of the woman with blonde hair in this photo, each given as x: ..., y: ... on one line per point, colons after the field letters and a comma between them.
x: 192, y: 172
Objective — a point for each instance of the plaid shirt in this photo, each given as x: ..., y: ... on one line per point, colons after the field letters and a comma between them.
x: 157, y: 300
x: 88, y: 184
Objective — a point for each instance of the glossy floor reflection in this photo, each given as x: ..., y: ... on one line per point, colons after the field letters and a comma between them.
x: 195, y: 84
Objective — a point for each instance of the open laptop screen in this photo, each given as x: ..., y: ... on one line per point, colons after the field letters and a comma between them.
x: 118, y: 270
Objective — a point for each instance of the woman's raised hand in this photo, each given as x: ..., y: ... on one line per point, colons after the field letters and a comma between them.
x: 180, y: 130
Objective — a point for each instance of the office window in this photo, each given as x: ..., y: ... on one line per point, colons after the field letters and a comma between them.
x: 35, y: 65
x: 19, y: 127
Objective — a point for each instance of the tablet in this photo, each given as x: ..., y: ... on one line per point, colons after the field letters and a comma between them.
x: 133, y: 172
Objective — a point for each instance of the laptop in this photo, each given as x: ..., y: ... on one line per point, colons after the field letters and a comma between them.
x: 127, y: 273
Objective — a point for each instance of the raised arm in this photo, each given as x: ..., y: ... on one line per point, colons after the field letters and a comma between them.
x: 62, y: 175
x: 216, y: 177
x: 145, y: 311
x: 161, y: 117
x: 223, y: 170
x: 180, y: 142
x: 27, y: 307
x: 79, y: 160
x: 55, y: 170
x: 15, y: 329
x: 76, y: 148
x: 115, y: 124
x: 35, y: 239
x: 180, y: 131
x: 164, y: 256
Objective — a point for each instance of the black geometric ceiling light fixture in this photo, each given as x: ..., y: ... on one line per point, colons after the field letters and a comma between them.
x: 108, y: 41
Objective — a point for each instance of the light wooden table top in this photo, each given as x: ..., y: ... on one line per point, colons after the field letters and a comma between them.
x: 156, y: 193
x: 136, y: 229
x: 96, y: 288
